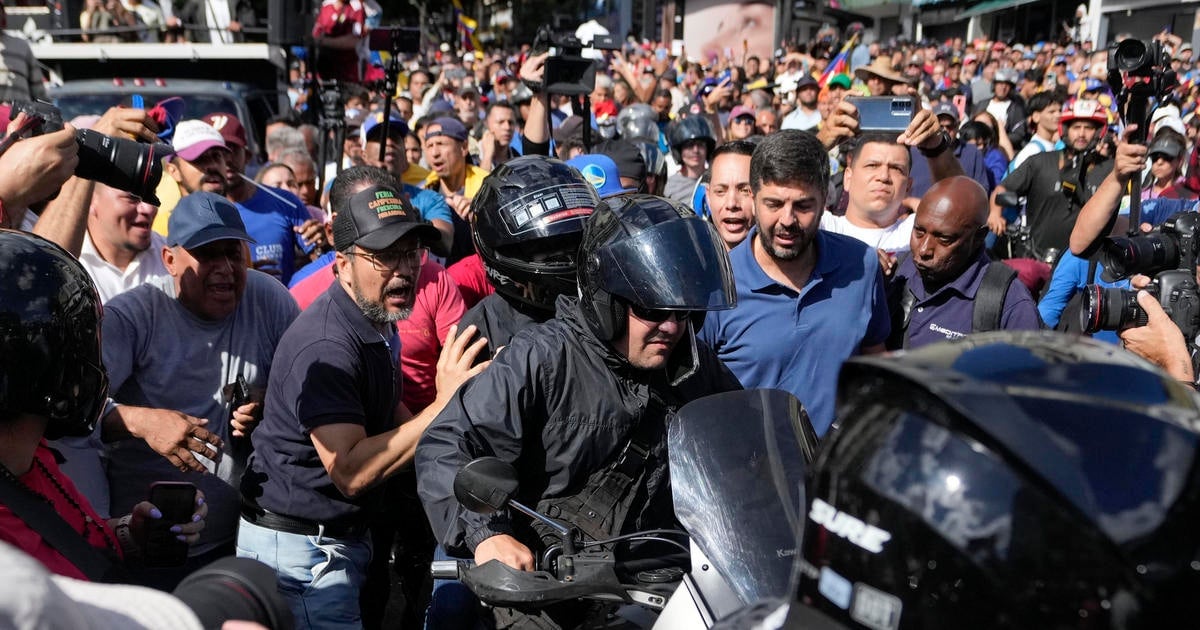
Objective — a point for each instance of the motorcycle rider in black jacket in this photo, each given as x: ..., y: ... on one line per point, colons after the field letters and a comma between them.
x: 580, y: 404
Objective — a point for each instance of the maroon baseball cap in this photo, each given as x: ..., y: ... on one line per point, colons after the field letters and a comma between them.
x: 230, y: 127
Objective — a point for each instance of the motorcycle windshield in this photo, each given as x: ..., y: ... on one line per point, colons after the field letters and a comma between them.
x: 738, y: 462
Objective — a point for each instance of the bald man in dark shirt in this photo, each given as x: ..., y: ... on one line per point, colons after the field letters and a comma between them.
x: 935, y: 289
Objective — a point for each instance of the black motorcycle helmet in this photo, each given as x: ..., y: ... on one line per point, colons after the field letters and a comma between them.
x: 1010, y: 480
x: 50, y: 362
x: 528, y: 221
x: 653, y: 253
x: 688, y: 129
x: 656, y: 167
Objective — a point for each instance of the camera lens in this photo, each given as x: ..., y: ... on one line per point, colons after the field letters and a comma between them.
x: 235, y: 589
x: 123, y: 164
x: 1109, y: 309
x: 1151, y: 253
x: 1130, y: 55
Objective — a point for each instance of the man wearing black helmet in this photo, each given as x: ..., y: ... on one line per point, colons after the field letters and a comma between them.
x: 593, y: 388
x: 528, y: 221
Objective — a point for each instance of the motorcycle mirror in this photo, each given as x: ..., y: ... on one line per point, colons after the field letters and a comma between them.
x: 1008, y: 199
x: 485, y: 485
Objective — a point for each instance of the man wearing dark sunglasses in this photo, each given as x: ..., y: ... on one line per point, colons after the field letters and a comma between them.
x: 580, y: 403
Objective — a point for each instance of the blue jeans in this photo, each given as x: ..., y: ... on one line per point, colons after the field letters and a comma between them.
x: 320, y: 577
x: 452, y: 606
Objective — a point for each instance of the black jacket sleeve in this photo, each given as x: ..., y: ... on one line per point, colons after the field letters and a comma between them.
x: 486, y: 417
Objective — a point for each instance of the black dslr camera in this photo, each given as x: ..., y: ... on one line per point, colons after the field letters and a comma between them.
x: 567, y: 71
x: 1170, y: 252
x: 123, y: 164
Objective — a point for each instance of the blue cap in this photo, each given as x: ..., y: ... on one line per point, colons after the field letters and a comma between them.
x: 396, y: 125
x: 203, y: 217
x: 449, y: 127
x: 601, y: 172
x: 1092, y: 84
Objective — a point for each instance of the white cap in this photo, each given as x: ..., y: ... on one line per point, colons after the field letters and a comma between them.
x: 194, y: 137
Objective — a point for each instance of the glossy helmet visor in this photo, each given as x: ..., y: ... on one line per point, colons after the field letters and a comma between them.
x: 696, y: 276
x: 50, y: 360
x: 1008, y: 480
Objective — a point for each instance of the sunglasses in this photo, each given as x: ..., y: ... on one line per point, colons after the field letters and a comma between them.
x: 658, y: 316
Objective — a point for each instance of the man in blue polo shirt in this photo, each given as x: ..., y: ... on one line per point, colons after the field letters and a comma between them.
x: 806, y: 299
x: 948, y: 267
x: 334, y: 428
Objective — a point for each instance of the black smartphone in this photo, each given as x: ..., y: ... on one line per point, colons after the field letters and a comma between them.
x: 177, y: 502
x: 886, y: 114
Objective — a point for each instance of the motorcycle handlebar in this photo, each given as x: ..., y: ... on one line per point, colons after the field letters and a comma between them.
x: 449, y: 569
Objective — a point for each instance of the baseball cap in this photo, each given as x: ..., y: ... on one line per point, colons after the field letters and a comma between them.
x: 970, y: 58
x: 203, y: 217
x: 842, y: 80
x: 626, y: 155
x: 194, y: 137
x: 805, y: 81
x: 396, y: 125
x: 1006, y: 75
x: 570, y: 129
x: 946, y: 109
x: 601, y: 172
x: 229, y: 126
x: 449, y: 127
x: 375, y: 218
x: 1060, y: 60
x: 740, y: 110
x: 1167, y: 146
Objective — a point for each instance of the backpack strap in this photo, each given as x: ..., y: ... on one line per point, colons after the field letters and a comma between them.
x: 988, y: 307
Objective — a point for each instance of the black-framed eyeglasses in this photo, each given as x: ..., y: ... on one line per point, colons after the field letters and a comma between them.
x: 390, y: 260
x: 658, y: 316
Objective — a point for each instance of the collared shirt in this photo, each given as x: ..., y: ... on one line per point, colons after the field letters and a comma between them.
x: 146, y: 267
x: 471, y: 183
x: 462, y: 246
x: 776, y: 337
x: 333, y: 367
x: 948, y: 312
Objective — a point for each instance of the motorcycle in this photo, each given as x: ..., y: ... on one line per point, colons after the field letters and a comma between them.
x: 738, y: 462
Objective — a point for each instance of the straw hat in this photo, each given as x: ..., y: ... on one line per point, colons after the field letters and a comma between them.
x: 882, y: 68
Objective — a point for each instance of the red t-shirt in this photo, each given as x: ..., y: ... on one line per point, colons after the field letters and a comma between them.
x: 471, y: 279
x: 336, y: 20
x: 17, y: 533
x: 436, y: 307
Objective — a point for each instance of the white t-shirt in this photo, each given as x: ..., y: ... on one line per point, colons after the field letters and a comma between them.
x: 893, y: 239
x: 799, y: 119
x: 146, y: 267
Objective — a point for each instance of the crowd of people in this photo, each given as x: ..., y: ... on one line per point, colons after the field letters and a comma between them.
x: 489, y: 268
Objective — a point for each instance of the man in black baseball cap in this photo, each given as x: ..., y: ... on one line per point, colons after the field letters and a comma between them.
x: 334, y: 430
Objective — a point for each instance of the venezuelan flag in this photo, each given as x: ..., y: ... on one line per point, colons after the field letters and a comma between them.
x: 840, y: 63
x: 466, y: 27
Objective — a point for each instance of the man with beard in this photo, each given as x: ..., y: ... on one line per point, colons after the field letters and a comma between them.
x: 805, y: 117
x: 953, y: 288
x: 807, y: 299
x: 1056, y: 184
x: 201, y: 158
x: 335, y: 428
x: 730, y: 200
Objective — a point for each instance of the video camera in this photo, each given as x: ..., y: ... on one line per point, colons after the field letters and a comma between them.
x: 1137, y: 72
x: 123, y: 164
x: 1170, y: 252
x: 567, y: 71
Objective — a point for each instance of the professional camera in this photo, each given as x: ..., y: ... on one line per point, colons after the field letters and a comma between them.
x: 1137, y: 72
x: 1170, y: 252
x: 235, y: 588
x: 117, y: 162
x: 395, y: 39
x: 567, y: 71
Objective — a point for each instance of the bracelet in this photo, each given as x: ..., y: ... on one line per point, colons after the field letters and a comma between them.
x: 939, y: 149
x: 125, y: 537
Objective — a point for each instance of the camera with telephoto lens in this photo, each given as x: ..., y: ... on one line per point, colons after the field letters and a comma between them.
x: 128, y: 165
x: 567, y: 71
x: 1169, y: 253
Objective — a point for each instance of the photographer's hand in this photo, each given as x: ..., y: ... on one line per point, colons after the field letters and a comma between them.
x: 127, y: 122
x: 1160, y: 341
x: 35, y: 168
x: 1130, y: 157
x: 925, y: 133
